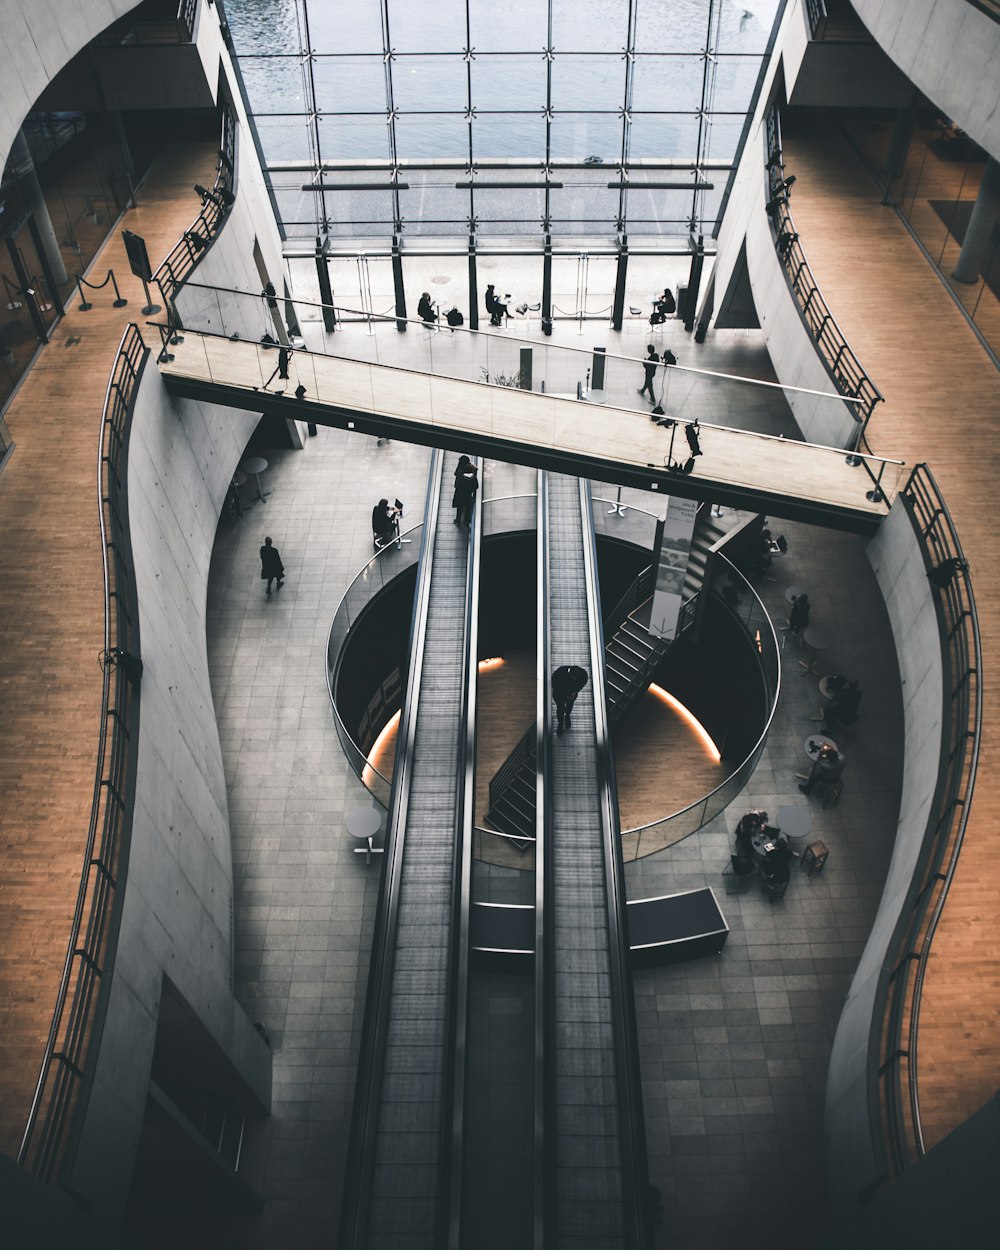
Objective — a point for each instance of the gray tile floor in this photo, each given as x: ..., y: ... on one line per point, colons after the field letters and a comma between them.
x: 733, y: 1048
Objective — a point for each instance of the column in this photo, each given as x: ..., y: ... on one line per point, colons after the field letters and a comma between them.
x: 979, y: 234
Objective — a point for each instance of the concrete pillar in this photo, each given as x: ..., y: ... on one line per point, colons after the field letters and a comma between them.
x: 20, y: 157
x: 985, y: 212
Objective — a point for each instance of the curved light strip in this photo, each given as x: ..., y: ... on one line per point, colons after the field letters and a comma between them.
x: 374, y: 757
x: 692, y: 721
x: 493, y: 662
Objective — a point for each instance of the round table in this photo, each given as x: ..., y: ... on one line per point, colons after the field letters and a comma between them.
x: 256, y: 465
x: 814, y: 742
x: 794, y: 822
x: 364, y: 823
x: 817, y: 639
x: 830, y: 684
x: 793, y: 592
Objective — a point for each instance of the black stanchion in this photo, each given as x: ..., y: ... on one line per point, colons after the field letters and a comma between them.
x: 119, y: 301
x: 84, y: 305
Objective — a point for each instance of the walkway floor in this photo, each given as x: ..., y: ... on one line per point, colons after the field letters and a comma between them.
x: 942, y: 400
x: 734, y: 1049
x: 53, y: 629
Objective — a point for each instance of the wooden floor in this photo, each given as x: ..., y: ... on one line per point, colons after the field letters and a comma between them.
x: 942, y: 402
x: 52, y: 630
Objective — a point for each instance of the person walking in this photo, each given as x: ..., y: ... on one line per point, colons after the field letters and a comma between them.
x: 649, y: 364
x: 466, y: 485
x: 567, y: 682
x: 271, y: 566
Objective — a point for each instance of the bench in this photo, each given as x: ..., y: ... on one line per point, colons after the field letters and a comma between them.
x: 676, y: 926
x: 671, y: 927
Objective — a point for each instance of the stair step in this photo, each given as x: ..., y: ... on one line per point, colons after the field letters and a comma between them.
x: 623, y: 657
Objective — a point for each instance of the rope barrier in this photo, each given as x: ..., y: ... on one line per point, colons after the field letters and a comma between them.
x: 81, y: 282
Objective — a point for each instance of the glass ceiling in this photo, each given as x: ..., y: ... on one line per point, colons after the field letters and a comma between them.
x: 444, y: 118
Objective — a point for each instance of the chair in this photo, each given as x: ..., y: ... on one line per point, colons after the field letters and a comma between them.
x: 775, y: 886
x: 814, y: 857
x: 738, y: 874
x: 829, y: 792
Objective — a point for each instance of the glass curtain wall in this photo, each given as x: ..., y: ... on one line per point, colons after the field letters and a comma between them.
x: 935, y: 179
x: 566, y: 122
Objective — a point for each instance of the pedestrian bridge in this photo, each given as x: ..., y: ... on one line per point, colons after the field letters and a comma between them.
x: 562, y: 433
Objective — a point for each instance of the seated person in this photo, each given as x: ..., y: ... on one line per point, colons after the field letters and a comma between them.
x: 425, y: 309
x: 385, y: 522
x: 494, y: 306
x: 798, y: 618
x: 777, y: 858
x: 828, y: 766
x: 663, y: 307
x: 842, y: 708
x: 750, y: 824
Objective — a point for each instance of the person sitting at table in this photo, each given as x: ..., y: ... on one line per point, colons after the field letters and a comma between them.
x: 663, y: 307
x: 777, y: 856
x: 425, y: 309
x: 384, y: 523
x: 827, y: 767
x: 494, y: 307
x: 798, y: 618
x: 842, y: 708
x: 750, y: 824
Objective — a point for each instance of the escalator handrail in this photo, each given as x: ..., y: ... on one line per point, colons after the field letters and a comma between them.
x: 631, y: 1121
x: 465, y: 819
x: 543, y: 1177
x: 359, y: 1174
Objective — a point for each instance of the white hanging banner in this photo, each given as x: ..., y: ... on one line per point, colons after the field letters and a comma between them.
x: 675, y: 550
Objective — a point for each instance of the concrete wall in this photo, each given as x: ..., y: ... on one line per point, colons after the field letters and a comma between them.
x: 948, y: 1198
x: 178, y: 901
x: 950, y: 50
x: 849, y: 75
x: 178, y: 895
x: 789, y: 342
x: 36, y: 40
x: 899, y: 566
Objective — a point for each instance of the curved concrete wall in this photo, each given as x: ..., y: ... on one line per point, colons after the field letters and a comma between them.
x: 176, y: 917
x: 178, y: 898
x: 950, y: 50
x: 36, y: 40
x: 899, y: 566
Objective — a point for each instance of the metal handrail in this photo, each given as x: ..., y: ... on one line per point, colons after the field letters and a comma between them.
x: 894, y: 1091
x: 634, y: 1162
x: 846, y: 371
x: 71, y: 1047
x: 196, y: 240
x: 712, y: 802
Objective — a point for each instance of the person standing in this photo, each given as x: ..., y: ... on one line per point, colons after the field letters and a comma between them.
x: 567, y: 682
x: 271, y: 566
x: 649, y: 364
x: 466, y: 485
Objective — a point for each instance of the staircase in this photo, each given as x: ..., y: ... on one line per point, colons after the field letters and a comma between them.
x: 631, y: 657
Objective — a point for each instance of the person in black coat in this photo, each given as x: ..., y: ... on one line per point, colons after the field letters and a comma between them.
x: 649, y: 364
x: 270, y: 565
x: 798, y: 618
x: 425, y: 309
x: 466, y: 485
x: 842, y: 708
x: 567, y: 682
x: 384, y: 522
x: 828, y: 766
